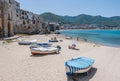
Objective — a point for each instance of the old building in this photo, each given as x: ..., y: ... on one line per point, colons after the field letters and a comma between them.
x: 53, y: 26
x: 28, y: 23
x: 6, y: 18
x: 14, y: 20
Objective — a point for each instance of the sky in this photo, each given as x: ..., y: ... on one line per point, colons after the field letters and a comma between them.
x: 106, y: 8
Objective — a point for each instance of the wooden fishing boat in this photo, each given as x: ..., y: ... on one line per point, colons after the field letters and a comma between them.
x: 44, y: 50
x: 27, y: 42
x: 78, y: 65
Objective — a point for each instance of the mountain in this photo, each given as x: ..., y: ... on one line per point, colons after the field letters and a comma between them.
x: 50, y: 17
x: 83, y: 19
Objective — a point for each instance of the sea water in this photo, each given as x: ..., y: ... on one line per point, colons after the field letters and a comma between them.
x: 103, y: 37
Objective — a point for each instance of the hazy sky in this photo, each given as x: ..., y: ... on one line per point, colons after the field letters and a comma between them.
x: 105, y: 8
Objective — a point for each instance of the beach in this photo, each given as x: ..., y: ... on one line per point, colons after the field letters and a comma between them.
x: 18, y: 64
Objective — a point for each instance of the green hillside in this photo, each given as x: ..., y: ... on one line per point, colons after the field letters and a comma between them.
x: 52, y: 17
x: 83, y: 19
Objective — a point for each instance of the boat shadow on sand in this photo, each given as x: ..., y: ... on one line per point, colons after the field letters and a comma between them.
x: 83, y: 76
x: 42, y: 55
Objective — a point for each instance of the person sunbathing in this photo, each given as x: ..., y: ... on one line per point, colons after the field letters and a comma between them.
x: 72, y: 46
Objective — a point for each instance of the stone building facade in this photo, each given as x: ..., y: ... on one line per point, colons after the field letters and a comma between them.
x: 15, y: 20
x: 6, y: 24
x: 28, y: 23
x: 53, y: 26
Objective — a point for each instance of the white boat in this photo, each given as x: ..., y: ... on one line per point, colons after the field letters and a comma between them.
x: 68, y: 37
x: 27, y: 42
x: 78, y: 65
x: 44, y: 50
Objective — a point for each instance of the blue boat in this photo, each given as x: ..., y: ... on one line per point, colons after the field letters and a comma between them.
x: 53, y: 40
x: 78, y: 65
x: 44, y: 44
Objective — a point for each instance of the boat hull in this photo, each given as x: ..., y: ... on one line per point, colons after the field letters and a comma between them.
x: 43, y: 52
x: 38, y: 51
x: 24, y: 43
x: 27, y: 42
x: 79, y: 70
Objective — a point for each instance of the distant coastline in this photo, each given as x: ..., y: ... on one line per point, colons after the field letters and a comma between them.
x: 83, y: 21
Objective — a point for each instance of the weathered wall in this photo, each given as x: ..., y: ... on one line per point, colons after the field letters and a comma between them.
x: 17, y: 20
x: 7, y: 26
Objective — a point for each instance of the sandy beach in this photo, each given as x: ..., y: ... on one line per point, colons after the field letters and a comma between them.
x: 18, y: 64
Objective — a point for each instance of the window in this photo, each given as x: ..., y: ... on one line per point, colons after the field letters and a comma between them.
x: 10, y: 1
x: 28, y: 27
x: 0, y: 13
x: 23, y: 17
x: 17, y: 10
x: 27, y: 16
x: 33, y: 18
x: 28, y: 21
x: 33, y: 21
x: 23, y: 12
x: 17, y: 4
x: 9, y: 18
x: 17, y: 15
x: 24, y: 26
x: 24, y: 22
x: 0, y: 32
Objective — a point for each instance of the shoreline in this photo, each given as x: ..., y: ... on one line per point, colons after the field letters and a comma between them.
x: 104, y: 37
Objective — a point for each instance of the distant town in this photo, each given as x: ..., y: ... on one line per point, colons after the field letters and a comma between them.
x: 86, y: 26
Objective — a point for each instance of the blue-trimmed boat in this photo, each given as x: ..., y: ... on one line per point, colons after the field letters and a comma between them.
x: 78, y: 65
x: 53, y: 40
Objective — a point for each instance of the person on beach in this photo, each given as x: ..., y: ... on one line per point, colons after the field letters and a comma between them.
x: 72, y: 46
x: 59, y: 48
x: 55, y: 38
x: 77, y: 38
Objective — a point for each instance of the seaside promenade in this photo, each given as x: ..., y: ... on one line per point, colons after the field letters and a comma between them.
x: 18, y: 64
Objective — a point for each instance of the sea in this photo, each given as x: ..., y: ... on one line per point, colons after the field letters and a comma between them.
x: 102, y: 37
